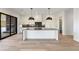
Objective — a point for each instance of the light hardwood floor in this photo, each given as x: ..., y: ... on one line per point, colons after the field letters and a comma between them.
x: 15, y: 43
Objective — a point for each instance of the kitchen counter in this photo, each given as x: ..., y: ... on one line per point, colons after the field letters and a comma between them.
x: 44, y: 33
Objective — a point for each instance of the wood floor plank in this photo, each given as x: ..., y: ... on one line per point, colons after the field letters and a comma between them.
x: 15, y: 43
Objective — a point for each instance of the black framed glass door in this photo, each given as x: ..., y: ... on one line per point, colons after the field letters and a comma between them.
x: 5, y: 26
x: 8, y: 25
x: 13, y: 25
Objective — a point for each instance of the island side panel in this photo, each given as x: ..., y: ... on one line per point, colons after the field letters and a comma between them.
x: 40, y: 34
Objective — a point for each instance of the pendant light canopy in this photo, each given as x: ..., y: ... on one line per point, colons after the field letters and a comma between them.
x: 49, y: 18
x: 31, y: 18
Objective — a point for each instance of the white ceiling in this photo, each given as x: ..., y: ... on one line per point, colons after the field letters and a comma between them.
x: 35, y: 11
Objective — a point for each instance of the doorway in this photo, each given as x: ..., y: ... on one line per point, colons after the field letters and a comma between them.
x: 60, y: 25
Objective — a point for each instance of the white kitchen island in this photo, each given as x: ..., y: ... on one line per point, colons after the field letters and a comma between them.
x: 40, y: 34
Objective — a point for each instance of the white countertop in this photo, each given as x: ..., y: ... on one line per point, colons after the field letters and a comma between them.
x: 39, y: 29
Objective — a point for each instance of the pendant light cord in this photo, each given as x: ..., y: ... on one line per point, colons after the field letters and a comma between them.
x: 31, y: 11
x: 49, y: 11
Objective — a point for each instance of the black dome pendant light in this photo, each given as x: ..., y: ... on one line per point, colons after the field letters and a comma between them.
x: 49, y: 18
x: 31, y: 18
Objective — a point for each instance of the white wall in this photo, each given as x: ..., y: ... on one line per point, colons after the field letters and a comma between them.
x: 68, y: 21
x: 76, y: 24
x: 10, y: 12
